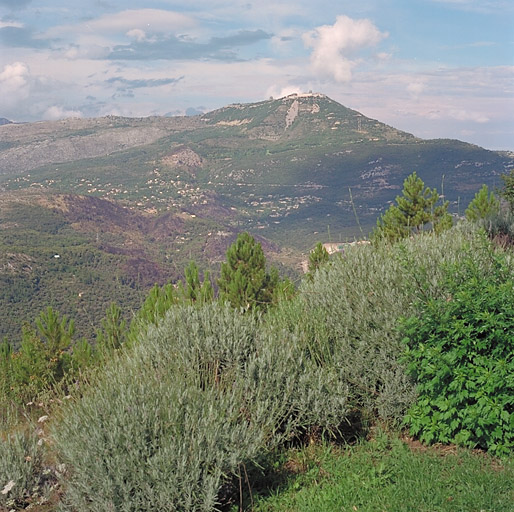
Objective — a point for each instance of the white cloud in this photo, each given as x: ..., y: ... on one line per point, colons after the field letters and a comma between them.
x: 416, y: 88
x: 277, y: 91
x: 468, y: 115
x: 14, y: 83
x: 85, y: 51
x: 15, y: 24
x: 145, y: 20
x: 334, y: 45
x: 383, y: 56
x: 56, y: 112
x: 138, y: 34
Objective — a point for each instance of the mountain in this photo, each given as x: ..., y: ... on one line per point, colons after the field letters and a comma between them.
x: 3, y: 121
x: 127, y: 202
x: 283, y: 167
x: 80, y: 253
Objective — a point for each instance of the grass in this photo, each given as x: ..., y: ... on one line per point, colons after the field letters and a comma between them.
x: 388, y: 474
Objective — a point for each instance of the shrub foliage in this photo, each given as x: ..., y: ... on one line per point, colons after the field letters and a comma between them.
x: 20, y: 470
x: 460, y: 351
x: 201, y: 394
x: 193, y: 389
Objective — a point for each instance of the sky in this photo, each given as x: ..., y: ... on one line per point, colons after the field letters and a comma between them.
x: 434, y: 68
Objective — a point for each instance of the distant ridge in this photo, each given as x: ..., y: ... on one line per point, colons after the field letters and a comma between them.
x: 287, y: 167
x: 3, y: 121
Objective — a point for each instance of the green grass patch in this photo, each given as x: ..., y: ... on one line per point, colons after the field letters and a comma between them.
x: 388, y: 475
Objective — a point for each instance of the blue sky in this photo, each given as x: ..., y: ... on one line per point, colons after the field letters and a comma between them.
x: 435, y: 68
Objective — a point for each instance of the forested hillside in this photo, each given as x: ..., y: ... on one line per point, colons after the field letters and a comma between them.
x: 100, y: 210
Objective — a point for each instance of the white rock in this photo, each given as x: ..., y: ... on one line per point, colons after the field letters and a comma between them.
x: 8, y: 487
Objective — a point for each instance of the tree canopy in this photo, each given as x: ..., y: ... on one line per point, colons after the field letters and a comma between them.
x: 317, y: 257
x: 414, y: 210
x: 483, y: 205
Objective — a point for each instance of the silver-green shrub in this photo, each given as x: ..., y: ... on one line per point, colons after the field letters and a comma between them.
x: 208, y: 389
x: 20, y: 468
x: 346, y: 317
x: 205, y: 391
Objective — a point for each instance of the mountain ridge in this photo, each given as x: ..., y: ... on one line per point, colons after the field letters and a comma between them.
x: 251, y: 165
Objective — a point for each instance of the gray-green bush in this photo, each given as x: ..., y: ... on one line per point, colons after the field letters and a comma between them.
x: 20, y: 468
x: 172, y: 418
x: 205, y: 391
x: 347, y: 316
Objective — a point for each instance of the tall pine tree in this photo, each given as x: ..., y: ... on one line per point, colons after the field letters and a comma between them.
x: 483, y: 205
x: 193, y: 291
x: 244, y: 281
x: 413, y: 211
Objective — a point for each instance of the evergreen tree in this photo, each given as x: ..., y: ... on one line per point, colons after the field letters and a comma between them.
x: 57, y: 332
x: 193, y: 290
x: 206, y: 290
x: 244, y: 281
x: 414, y: 210
x: 6, y: 353
x: 318, y: 257
x: 507, y: 191
x: 483, y: 205
x: 158, y: 301
x: 114, y: 330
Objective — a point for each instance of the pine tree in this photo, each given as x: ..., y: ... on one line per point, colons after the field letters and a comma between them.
x: 413, y: 211
x: 507, y: 191
x: 6, y: 353
x: 158, y: 301
x: 206, y: 290
x: 483, y: 205
x: 193, y: 290
x: 57, y: 332
x: 244, y: 281
x: 318, y: 257
x: 114, y: 330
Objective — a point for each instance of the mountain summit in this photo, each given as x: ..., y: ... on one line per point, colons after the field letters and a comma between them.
x: 303, y: 115
x: 95, y: 210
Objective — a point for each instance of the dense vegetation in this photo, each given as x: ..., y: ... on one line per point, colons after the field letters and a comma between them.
x: 186, y: 406
x: 126, y: 203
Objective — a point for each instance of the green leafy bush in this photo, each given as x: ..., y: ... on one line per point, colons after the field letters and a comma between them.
x: 460, y: 352
x: 346, y: 317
